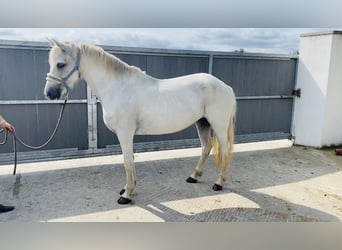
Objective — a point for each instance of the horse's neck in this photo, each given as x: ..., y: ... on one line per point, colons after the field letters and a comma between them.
x: 105, y: 84
x: 90, y: 77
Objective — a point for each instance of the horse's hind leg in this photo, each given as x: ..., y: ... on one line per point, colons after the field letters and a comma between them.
x: 223, y: 145
x: 203, y: 129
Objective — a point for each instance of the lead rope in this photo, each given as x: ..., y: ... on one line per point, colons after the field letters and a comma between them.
x: 5, y: 139
x: 17, y: 139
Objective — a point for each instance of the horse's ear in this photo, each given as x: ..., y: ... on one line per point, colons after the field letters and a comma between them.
x: 51, y: 41
x: 54, y: 42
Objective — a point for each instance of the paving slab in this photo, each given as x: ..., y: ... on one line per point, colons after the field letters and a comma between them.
x: 270, y: 181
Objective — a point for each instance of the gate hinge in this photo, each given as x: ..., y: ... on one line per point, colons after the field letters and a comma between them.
x: 296, y: 92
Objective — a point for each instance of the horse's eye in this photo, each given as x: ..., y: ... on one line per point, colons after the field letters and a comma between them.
x: 61, y: 65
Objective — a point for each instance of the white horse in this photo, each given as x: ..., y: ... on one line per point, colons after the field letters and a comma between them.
x: 136, y: 103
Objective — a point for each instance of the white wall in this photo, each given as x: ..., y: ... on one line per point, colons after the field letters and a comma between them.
x: 332, y: 127
x: 318, y: 113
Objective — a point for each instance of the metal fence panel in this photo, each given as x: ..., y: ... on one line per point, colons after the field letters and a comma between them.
x: 22, y: 81
x: 35, y: 123
x: 263, y: 86
x: 256, y: 77
x: 263, y: 116
x: 162, y: 66
x: 262, y: 83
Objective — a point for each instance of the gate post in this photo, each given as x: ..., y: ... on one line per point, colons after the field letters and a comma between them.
x: 92, y: 120
x: 210, y: 64
x: 317, y: 113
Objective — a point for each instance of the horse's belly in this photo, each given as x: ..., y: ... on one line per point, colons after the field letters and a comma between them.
x: 165, y: 124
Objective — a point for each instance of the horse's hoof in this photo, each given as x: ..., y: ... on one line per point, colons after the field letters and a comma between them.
x: 124, y: 201
x: 191, y: 180
x: 217, y: 187
x: 122, y: 191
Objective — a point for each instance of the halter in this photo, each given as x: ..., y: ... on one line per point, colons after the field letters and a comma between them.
x: 62, y: 80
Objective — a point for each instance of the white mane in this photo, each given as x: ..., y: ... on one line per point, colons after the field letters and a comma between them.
x: 109, y: 60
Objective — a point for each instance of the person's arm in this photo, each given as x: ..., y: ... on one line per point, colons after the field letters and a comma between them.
x: 6, y: 125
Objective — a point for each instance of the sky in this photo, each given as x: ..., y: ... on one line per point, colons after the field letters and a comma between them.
x: 253, y: 40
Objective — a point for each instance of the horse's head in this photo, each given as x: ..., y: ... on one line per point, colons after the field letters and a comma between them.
x: 64, y: 60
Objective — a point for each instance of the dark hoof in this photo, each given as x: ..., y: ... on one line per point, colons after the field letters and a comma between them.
x: 191, y: 180
x: 217, y: 187
x: 124, y: 201
x: 122, y: 191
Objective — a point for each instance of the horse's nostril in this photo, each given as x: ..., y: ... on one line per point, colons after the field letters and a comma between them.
x: 53, y: 93
x: 50, y: 94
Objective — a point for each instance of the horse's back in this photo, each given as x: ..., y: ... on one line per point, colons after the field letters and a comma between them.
x: 213, y: 89
x: 176, y: 103
x: 203, y: 81
x: 201, y: 89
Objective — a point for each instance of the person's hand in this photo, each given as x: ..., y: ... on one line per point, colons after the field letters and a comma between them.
x: 8, y: 127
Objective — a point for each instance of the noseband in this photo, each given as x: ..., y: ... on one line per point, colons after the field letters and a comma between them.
x: 62, y: 80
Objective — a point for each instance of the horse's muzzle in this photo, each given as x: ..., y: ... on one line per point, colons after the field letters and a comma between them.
x: 53, y: 93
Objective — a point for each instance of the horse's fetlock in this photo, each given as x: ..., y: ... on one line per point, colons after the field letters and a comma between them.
x: 198, y: 173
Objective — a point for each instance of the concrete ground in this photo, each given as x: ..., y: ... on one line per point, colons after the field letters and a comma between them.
x: 268, y: 182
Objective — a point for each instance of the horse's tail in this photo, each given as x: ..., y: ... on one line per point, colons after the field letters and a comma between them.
x: 222, y: 161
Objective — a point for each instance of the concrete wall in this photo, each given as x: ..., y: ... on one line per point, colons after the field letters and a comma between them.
x: 317, y: 113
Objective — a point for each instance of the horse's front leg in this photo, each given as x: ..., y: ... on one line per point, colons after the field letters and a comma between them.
x: 126, y: 143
